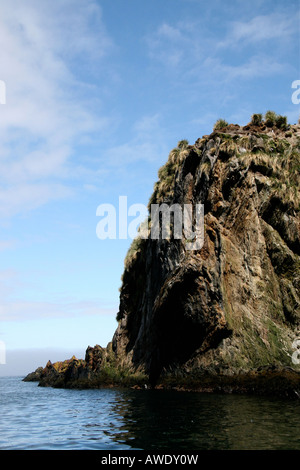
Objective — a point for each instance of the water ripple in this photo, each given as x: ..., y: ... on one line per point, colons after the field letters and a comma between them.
x: 44, y: 418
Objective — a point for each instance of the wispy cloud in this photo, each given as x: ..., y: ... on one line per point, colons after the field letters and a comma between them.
x: 146, y: 143
x: 168, y: 44
x: 47, y: 106
x: 15, y: 307
x: 29, y: 310
x: 21, y: 198
x: 7, y: 244
x: 176, y: 45
x: 255, y: 67
x: 194, y: 49
x: 260, y: 29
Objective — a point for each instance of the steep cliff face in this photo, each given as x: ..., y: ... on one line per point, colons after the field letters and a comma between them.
x: 233, y: 306
x: 225, y: 315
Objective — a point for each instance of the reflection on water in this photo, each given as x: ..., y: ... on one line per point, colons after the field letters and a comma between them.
x: 157, y: 420
x: 32, y: 417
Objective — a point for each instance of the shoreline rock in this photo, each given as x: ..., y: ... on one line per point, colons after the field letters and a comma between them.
x: 269, y: 381
x: 223, y: 318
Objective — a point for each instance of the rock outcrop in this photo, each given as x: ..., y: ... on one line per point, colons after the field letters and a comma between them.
x: 223, y: 317
x: 99, y: 368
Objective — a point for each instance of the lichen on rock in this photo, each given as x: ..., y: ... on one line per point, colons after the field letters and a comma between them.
x: 223, y: 317
x: 233, y: 306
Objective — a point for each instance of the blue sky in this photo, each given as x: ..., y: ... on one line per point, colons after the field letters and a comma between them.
x: 97, y: 94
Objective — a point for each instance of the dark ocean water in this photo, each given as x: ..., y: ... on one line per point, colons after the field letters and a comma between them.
x: 35, y: 418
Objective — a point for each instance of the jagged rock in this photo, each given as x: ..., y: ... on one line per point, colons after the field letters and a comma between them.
x: 34, y: 376
x: 94, y: 357
x: 224, y: 317
x: 98, y: 369
x: 233, y: 306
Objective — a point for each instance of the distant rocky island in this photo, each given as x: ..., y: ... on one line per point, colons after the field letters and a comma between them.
x: 223, y: 318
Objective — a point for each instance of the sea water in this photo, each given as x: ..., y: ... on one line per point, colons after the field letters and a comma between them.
x: 37, y: 418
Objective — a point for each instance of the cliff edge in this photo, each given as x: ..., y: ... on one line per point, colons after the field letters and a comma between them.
x: 225, y: 317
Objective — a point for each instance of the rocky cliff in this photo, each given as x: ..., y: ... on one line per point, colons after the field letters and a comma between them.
x: 224, y: 317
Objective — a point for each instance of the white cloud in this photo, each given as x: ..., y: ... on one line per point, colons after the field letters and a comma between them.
x: 7, y: 244
x: 28, y: 196
x: 260, y: 29
x: 194, y: 52
x: 16, y: 308
x: 42, y: 45
x: 20, y: 310
x: 172, y: 45
x: 255, y: 66
x: 147, y: 143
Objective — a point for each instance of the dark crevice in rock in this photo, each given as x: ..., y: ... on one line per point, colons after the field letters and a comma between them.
x: 223, y: 317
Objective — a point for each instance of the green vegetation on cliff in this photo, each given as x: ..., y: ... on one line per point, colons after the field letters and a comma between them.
x: 248, y: 179
x: 223, y: 317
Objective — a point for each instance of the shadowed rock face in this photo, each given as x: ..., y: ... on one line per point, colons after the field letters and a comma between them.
x: 202, y: 318
x: 232, y: 306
